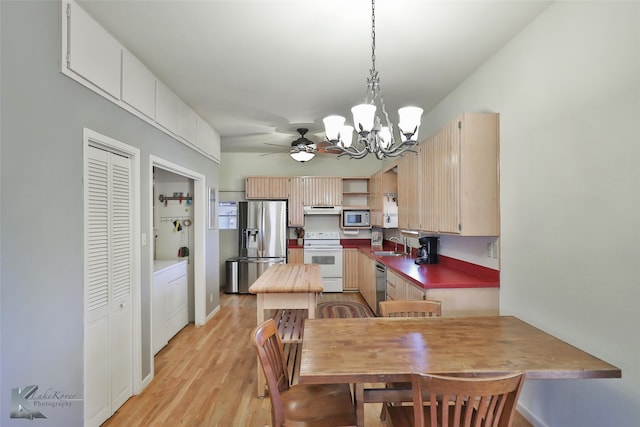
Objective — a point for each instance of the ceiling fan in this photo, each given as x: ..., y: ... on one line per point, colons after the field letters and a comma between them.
x: 303, y: 149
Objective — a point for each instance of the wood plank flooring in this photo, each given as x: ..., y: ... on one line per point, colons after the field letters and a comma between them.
x: 205, y: 377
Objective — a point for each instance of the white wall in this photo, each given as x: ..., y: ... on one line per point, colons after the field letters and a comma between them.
x: 568, y: 91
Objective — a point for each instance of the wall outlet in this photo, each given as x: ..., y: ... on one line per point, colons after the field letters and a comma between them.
x: 492, y: 250
x: 211, y: 297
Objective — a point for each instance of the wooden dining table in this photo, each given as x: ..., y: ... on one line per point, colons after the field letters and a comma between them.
x: 383, y: 350
x: 286, y: 286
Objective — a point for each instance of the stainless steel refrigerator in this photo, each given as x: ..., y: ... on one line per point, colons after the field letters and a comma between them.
x: 262, y: 236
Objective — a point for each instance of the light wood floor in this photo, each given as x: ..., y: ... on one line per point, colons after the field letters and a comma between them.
x: 206, y: 376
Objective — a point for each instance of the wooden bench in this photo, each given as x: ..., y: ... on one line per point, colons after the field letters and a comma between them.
x: 290, y: 323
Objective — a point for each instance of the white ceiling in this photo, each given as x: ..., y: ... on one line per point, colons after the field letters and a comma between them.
x: 257, y: 70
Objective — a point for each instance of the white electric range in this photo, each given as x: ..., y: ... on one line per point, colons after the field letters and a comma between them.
x: 324, y: 248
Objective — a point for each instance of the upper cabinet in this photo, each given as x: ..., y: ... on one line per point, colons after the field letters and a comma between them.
x: 188, y: 123
x: 208, y: 139
x: 459, y: 177
x: 409, y: 190
x: 138, y: 85
x: 92, y: 52
x: 375, y: 199
x: 296, y: 205
x: 168, y: 107
x: 384, y: 197
x: 322, y: 191
x: 267, y: 187
x: 95, y: 59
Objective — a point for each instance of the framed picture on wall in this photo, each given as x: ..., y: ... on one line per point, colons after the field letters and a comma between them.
x: 213, y: 203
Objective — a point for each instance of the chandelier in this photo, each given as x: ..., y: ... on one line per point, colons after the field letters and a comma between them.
x: 373, y: 136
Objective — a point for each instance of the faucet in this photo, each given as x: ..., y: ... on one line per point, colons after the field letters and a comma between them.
x: 397, y: 240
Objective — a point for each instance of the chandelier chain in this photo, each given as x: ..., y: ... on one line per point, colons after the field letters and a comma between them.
x: 373, y: 36
x: 377, y: 137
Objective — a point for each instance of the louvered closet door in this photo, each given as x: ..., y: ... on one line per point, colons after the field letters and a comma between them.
x: 108, y: 363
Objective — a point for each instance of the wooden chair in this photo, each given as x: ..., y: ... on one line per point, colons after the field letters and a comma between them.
x: 300, y: 404
x: 407, y: 308
x: 477, y: 402
x: 411, y: 308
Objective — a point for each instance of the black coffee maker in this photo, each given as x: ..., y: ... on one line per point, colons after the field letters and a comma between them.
x: 428, y: 250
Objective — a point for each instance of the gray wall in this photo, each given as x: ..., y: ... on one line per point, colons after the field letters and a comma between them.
x: 43, y: 113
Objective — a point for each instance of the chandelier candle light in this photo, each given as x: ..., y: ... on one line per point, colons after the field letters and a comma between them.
x: 373, y: 137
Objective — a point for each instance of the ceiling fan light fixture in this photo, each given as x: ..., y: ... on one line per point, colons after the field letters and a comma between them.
x: 303, y: 149
x: 373, y: 136
x: 302, y: 156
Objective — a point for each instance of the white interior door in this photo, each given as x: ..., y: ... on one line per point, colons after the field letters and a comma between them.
x: 108, y: 315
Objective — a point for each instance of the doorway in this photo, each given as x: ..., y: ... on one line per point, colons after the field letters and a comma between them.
x: 196, y: 235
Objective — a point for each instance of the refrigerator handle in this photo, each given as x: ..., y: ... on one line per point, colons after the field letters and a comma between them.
x: 263, y: 227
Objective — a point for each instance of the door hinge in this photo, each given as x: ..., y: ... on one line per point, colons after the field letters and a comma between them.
x: 459, y: 227
x: 459, y: 124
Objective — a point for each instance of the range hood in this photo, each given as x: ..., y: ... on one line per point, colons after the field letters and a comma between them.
x: 322, y: 210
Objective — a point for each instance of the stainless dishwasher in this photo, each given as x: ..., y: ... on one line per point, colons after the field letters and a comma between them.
x: 381, y: 285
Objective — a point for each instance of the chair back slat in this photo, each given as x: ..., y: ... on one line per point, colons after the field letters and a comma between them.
x: 268, y: 344
x: 465, y: 402
x: 411, y: 308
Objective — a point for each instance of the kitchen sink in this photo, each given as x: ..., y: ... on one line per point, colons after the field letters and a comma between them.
x: 388, y: 253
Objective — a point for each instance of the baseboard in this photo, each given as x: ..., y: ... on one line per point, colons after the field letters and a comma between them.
x: 526, y: 413
x: 210, y: 315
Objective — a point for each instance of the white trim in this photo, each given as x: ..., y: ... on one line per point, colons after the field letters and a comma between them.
x: 89, y: 138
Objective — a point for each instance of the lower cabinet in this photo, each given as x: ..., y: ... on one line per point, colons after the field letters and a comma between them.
x: 295, y: 256
x: 170, y: 302
x: 350, y: 269
x: 367, y: 280
x: 459, y: 302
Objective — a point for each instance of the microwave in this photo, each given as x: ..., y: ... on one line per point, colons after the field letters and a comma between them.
x: 355, y: 218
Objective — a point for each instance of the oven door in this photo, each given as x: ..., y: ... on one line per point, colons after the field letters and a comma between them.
x: 330, y: 262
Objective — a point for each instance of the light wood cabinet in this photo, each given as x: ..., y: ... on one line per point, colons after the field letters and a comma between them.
x: 322, y: 191
x: 409, y: 190
x: 395, y: 291
x: 350, y: 269
x: 459, y: 175
x: 398, y: 288
x: 367, y: 279
x: 376, y: 199
x: 457, y: 302
x: 266, y: 187
x: 295, y: 256
x: 296, y: 206
x: 413, y: 292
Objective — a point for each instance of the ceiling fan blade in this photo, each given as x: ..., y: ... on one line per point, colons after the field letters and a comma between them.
x: 273, y: 152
